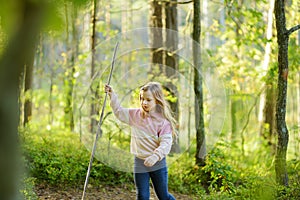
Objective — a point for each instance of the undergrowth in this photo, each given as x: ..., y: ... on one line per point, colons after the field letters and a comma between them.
x: 60, y: 159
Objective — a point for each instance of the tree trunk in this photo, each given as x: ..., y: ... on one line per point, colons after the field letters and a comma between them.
x: 298, y: 112
x: 298, y: 98
x: 95, y: 94
x: 171, y: 59
x: 197, y: 61
x: 74, y: 54
x: 282, y: 131
x: 283, y: 69
x: 269, y: 126
x: 28, y: 87
x: 235, y: 99
x: 69, y: 79
x: 156, y: 35
x: 11, y: 66
x: 235, y: 106
x: 266, y: 116
x: 107, y: 17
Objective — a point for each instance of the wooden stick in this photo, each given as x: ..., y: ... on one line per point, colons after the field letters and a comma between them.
x: 99, y: 131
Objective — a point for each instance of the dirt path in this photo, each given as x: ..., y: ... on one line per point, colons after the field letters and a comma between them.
x: 45, y: 192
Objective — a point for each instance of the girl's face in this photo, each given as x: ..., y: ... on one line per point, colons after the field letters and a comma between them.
x: 147, y: 99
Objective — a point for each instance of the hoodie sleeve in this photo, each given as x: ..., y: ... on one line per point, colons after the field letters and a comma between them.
x: 165, y: 141
x: 121, y: 113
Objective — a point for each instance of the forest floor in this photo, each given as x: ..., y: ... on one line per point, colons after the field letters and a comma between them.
x: 46, y: 192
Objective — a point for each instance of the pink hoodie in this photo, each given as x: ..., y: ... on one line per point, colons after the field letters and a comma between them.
x: 150, y: 134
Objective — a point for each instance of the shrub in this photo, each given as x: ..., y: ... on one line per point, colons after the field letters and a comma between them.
x: 292, y: 191
x: 60, y: 158
x: 216, y: 176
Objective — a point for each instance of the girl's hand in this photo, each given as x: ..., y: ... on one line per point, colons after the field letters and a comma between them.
x: 151, y: 160
x: 108, y: 89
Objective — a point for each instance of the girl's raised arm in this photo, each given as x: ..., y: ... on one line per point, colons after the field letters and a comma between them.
x: 121, y: 113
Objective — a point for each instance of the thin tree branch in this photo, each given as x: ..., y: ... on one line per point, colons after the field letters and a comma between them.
x: 185, y: 2
x: 176, y: 2
x: 293, y: 29
x: 248, y: 118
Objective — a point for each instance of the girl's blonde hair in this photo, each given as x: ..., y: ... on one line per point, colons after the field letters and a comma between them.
x: 162, y: 106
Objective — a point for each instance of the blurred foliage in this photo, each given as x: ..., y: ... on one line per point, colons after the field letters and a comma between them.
x: 27, y: 188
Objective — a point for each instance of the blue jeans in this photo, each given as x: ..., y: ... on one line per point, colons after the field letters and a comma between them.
x: 159, y: 178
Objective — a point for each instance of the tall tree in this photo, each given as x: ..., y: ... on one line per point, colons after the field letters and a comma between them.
x: 233, y: 11
x: 267, y: 100
x: 283, y: 67
x: 197, y: 61
x: 164, y: 44
x: 156, y: 33
x: 171, y: 22
x: 298, y: 88
x: 51, y: 86
x: 171, y: 58
x: 95, y: 94
x: 108, y: 17
x: 11, y: 66
x: 28, y: 78
x: 71, y: 42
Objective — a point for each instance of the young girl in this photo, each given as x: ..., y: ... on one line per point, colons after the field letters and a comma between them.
x: 151, y: 138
